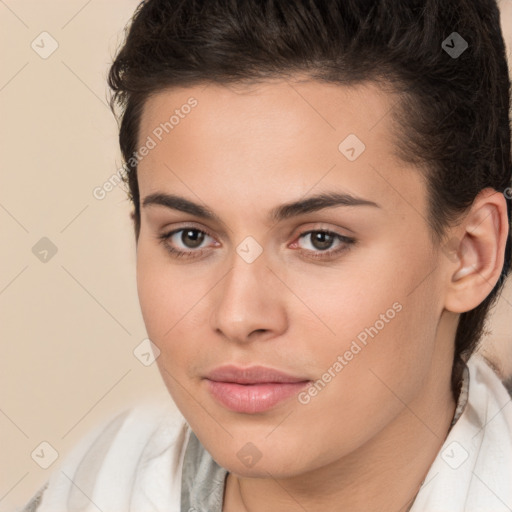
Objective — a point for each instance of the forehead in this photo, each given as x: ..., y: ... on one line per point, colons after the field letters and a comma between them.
x: 278, y: 135
x: 323, y: 106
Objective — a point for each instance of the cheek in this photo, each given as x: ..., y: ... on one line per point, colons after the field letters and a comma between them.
x: 370, y: 362
x: 165, y: 293
x: 153, y: 292
x: 173, y: 308
x: 382, y: 317
x: 347, y: 301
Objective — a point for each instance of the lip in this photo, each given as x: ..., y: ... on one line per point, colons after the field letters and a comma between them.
x: 251, y: 375
x: 253, y: 389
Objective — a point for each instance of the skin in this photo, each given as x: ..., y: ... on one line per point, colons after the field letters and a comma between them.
x: 369, y: 437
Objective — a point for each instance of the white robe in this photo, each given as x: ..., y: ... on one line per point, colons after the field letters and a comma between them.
x: 135, y: 461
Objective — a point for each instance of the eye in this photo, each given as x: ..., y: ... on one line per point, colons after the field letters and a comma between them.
x: 321, y: 242
x: 184, y: 242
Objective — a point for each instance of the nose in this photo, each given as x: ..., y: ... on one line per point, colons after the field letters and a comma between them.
x: 249, y: 302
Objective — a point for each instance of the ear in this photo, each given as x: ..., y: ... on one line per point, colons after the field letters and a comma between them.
x: 476, y: 252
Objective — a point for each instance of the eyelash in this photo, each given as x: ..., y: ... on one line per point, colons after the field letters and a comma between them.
x: 319, y: 255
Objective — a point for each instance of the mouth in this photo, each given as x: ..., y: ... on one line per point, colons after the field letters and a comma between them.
x: 254, y: 389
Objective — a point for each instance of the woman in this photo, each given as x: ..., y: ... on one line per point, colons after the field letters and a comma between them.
x: 322, y: 210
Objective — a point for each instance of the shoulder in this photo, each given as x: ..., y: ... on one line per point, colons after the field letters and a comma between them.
x: 489, y: 411
x: 485, y: 378
x: 473, y: 470
x: 135, y: 453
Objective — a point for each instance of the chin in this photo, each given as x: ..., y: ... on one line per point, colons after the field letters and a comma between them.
x: 261, y: 469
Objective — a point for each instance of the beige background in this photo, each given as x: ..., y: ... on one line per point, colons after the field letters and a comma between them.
x: 69, y: 325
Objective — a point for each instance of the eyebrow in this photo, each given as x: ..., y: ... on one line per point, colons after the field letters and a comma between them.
x: 279, y: 213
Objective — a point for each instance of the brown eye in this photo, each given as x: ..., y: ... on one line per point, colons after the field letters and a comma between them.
x: 185, y: 242
x: 322, y: 241
x: 192, y: 238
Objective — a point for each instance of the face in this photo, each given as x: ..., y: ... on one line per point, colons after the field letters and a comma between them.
x: 287, y: 325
